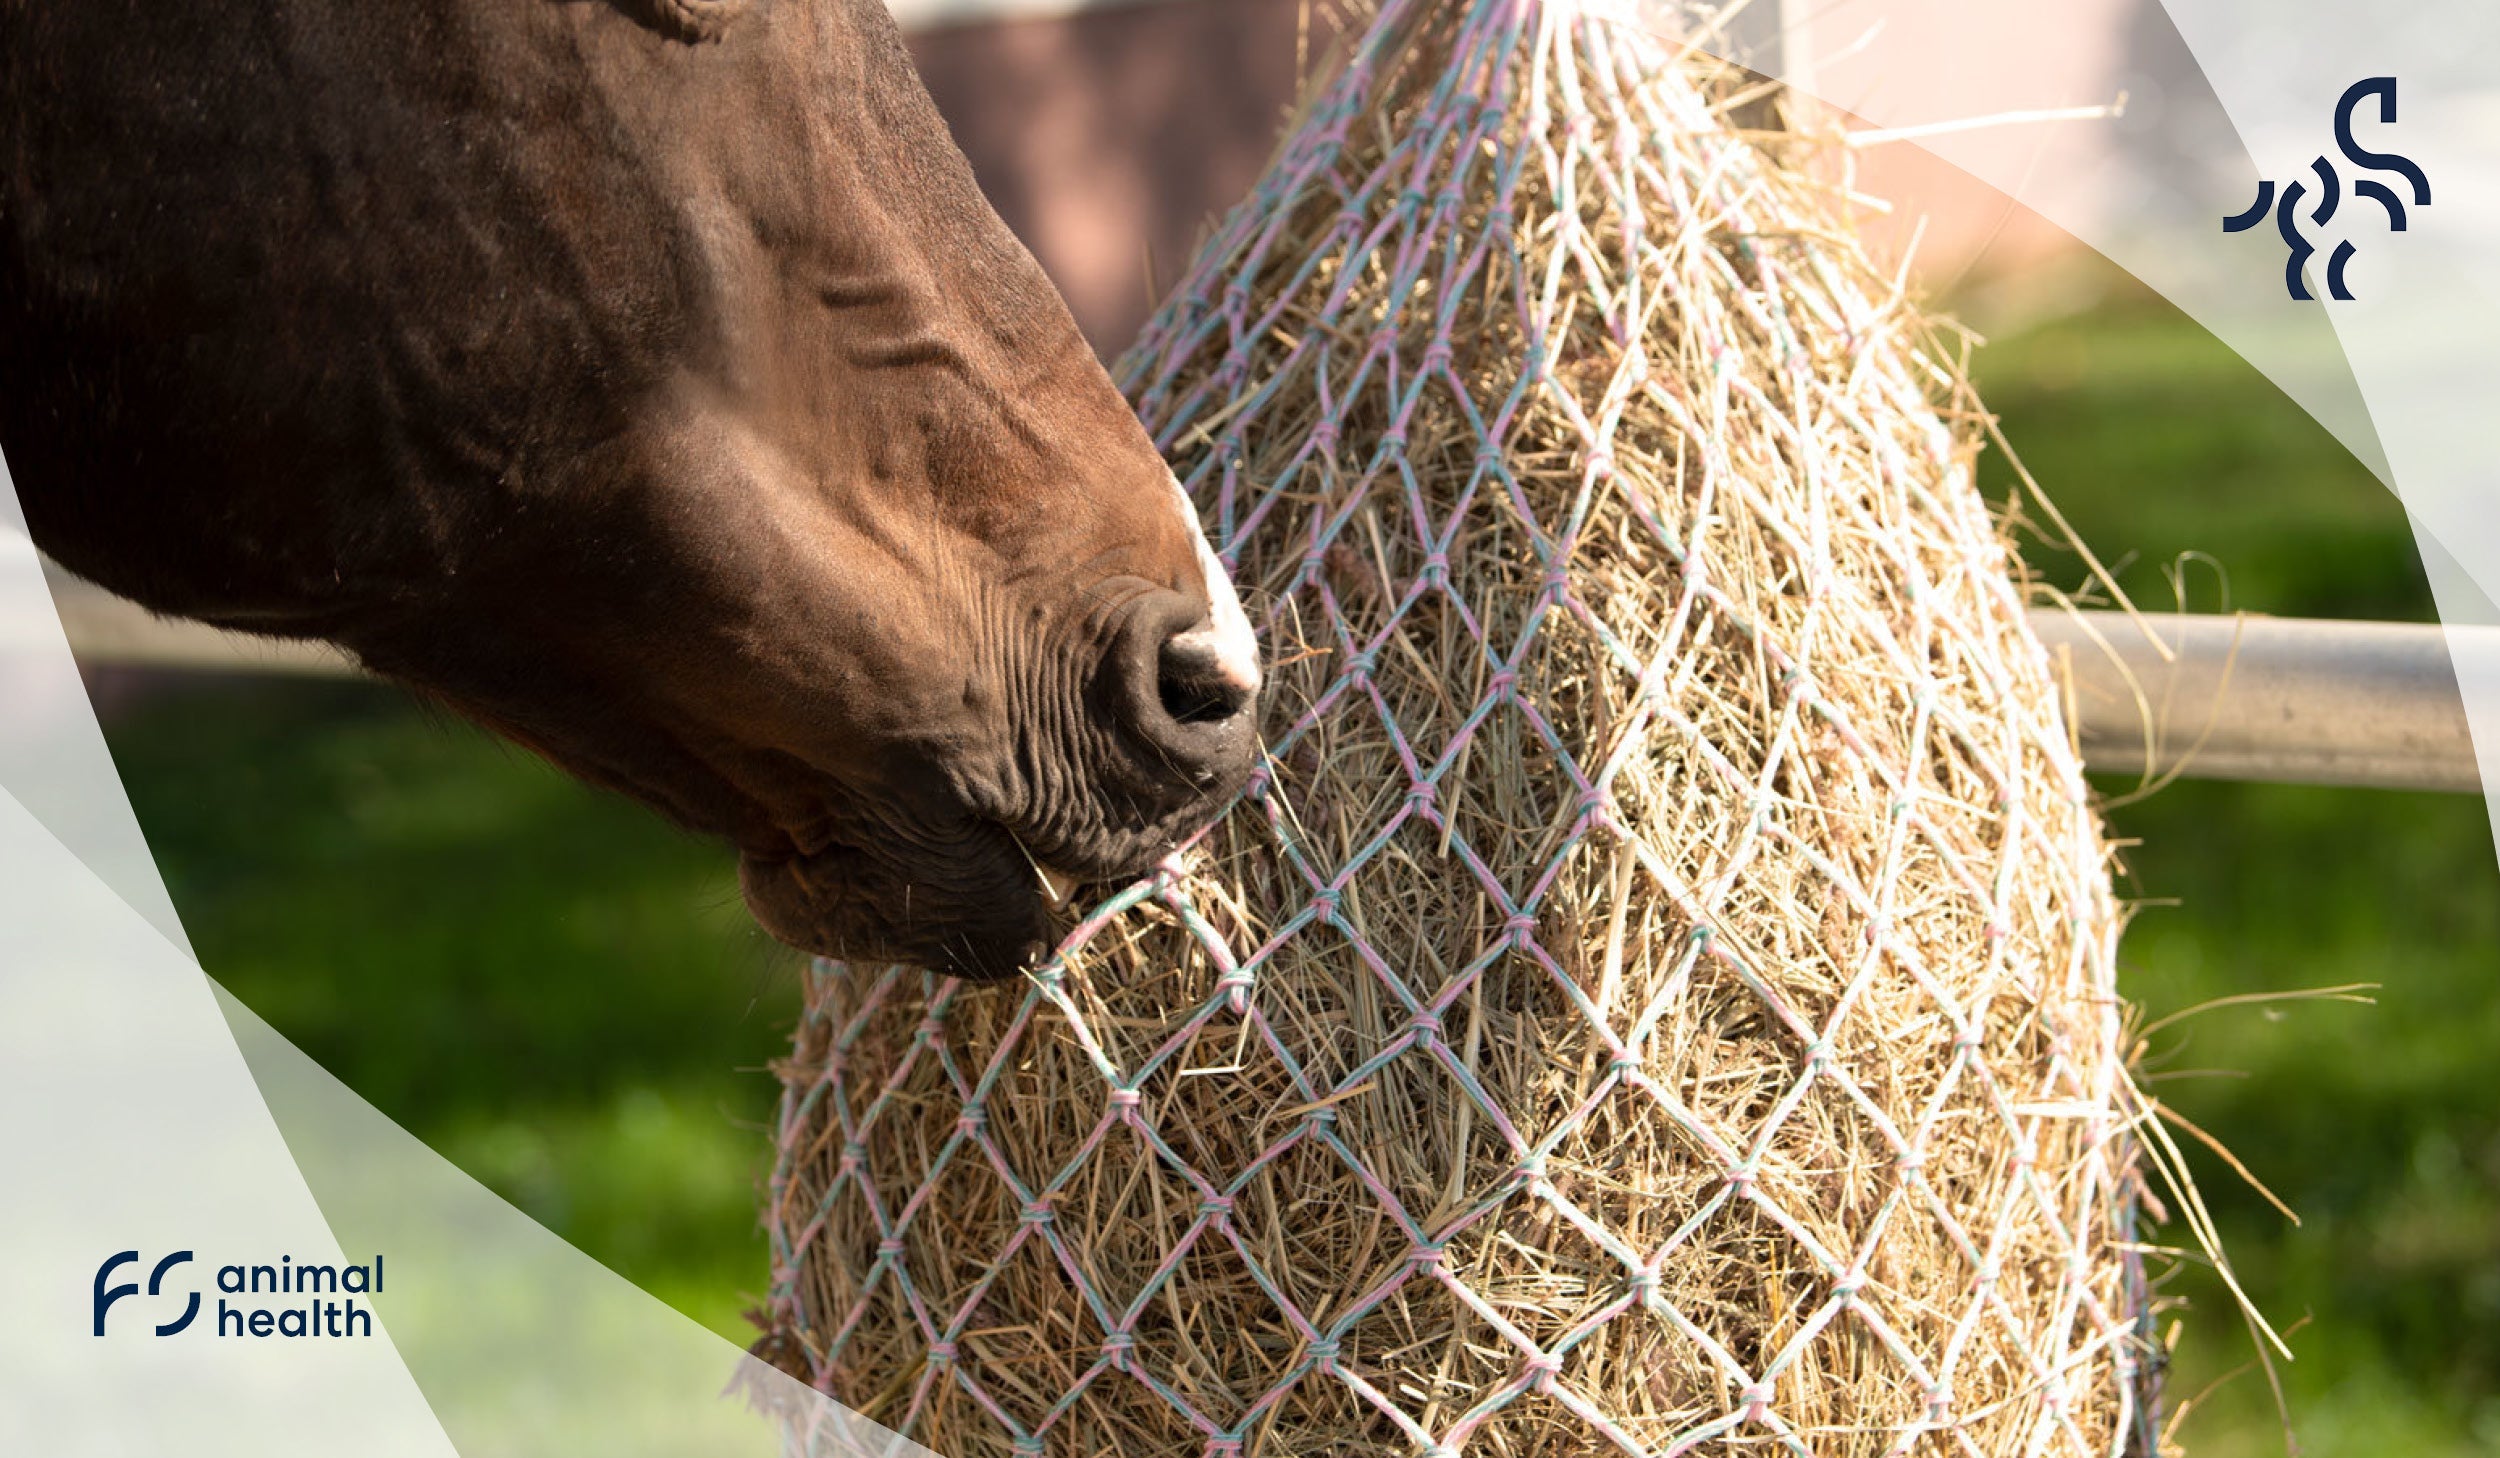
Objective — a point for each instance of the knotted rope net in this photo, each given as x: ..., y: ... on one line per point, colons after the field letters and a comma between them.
x: 1658, y: 994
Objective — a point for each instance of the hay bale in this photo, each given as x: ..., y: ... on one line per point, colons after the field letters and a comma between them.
x: 1659, y: 994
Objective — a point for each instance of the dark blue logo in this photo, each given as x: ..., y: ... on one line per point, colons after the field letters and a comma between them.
x: 291, y: 1297
x: 104, y: 1299
x: 2287, y: 207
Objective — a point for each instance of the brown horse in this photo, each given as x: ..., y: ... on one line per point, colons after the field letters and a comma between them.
x: 648, y: 381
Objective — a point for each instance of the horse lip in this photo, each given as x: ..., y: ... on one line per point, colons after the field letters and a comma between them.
x: 1058, y: 887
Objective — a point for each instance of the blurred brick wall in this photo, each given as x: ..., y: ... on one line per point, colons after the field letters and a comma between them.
x: 1109, y: 139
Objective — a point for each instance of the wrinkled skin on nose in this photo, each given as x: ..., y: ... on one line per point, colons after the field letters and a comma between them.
x: 674, y: 405
x: 1071, y: 720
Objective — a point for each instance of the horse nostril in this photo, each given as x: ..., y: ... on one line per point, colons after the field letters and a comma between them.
x: 1194, y: 683
x: 1182, y: 690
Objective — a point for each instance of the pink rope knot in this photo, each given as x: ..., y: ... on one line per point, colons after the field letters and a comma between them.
x: 1757, y: 1402
x: 1118, y: 1346
x: 1542, y: 1369
x: 890, y: 1248
x: 1846, y: 1289
x: 1392, y: 444
x: 1530, y: 1173
x: 1324, y: 1354
x: 1420, y: 798
x: 930, y: 1029
x: 1223, y: 1447
x: 1424, y: 1027
x: 1427, y: 1256
x: 1324, y: 438
x: 971, y: 1120
x: 1123, y: 1099
x: 1035, y: 1212
x: 1324, y: 901
x: 1740, y: 1180
x: 1499, y: 687
x: 1522, y: 928
x: 1819, y: 1055
x: 1027, y: 1448
x: 1216, y: 1207
x: 941, y: 1353
x: 1939, y: 1403
x: 1601, y: 464
x: 853, y: 1156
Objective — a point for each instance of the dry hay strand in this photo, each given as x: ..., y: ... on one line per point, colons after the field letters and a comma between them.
x: 1658, y: 997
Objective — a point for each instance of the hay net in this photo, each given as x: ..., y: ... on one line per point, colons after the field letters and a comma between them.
x: 1658, y: 995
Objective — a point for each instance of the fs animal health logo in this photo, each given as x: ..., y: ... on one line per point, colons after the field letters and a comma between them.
x: 2286, y: 206
x: 299, y: 1311
x: 104, y: 1298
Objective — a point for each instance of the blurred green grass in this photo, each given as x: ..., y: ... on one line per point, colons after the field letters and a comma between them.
x: 560, y: 994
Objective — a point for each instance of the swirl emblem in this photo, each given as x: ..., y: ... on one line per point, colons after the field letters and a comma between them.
x: 2286, y: 204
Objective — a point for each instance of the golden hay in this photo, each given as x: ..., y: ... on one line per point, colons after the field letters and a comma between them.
x: 1659, y: 996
